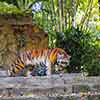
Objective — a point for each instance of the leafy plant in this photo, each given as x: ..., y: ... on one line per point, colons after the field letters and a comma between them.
x: 25, y: 5
x: 83, y: 48
x: 8, y: 8
x: 21, y: 7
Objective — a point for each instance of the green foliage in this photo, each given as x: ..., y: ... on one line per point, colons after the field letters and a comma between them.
x: 9, y: 1
x: 8, y: 8
x: 84, y: 51
x: 21, y: 7
x: 25, y: 5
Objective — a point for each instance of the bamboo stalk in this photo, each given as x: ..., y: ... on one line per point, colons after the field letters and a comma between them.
x: 99, y: 8
x: 62, y: 14
x: 86, y: 14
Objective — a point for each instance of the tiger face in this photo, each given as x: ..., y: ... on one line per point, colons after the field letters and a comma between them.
x: 63, y: 59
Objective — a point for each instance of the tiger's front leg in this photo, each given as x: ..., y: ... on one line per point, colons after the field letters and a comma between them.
x: 48, y: 71
x: 48, y: 64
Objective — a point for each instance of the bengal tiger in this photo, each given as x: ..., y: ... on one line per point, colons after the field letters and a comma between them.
x: 27, y: 61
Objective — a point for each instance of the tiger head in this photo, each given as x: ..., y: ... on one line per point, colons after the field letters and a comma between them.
x: 63, y: 59
x: 60, y: 57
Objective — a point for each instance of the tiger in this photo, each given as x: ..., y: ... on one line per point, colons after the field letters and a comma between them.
x: 28, y: 60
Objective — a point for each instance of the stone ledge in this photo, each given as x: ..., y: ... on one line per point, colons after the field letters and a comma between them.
x: 54, y: 86
x: 68, y: 97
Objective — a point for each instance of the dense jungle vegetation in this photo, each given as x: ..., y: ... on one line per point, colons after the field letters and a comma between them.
x: 71, y: 24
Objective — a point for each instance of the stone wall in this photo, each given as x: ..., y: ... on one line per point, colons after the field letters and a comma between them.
x: 18, y: 33
x: 56, y: 87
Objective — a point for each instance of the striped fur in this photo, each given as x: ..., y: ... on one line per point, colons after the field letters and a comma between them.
x: 28, y: 60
